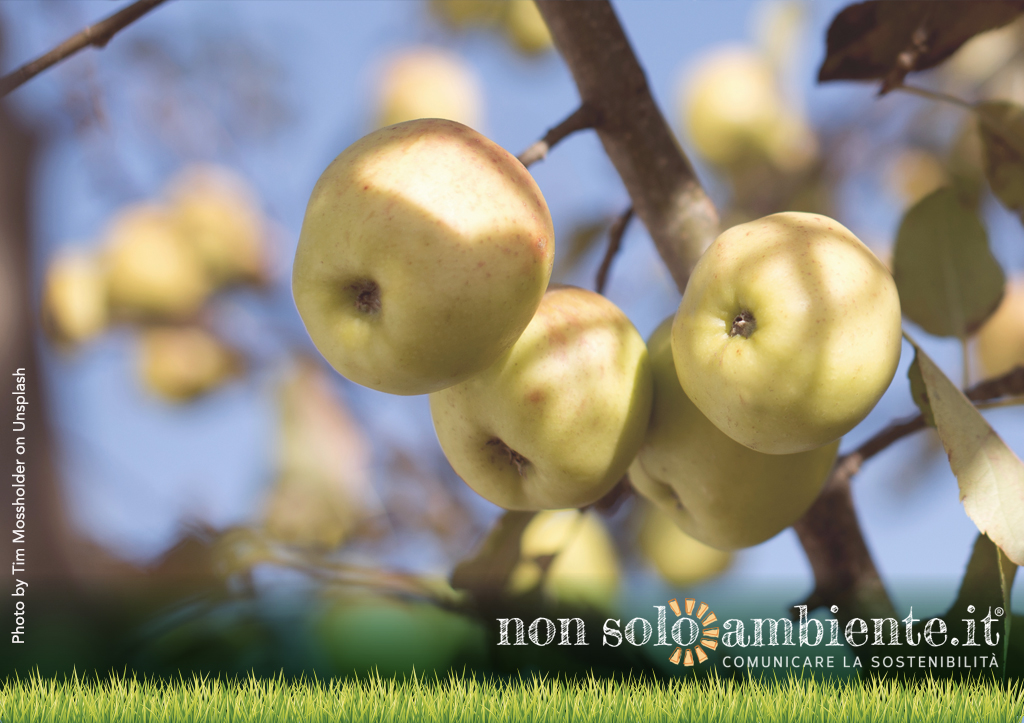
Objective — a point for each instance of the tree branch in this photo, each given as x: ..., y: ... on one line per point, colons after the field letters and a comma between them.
x: 582, y: 118
x: 615, y: 234
x: 97, y: 35
x: 664, y: 189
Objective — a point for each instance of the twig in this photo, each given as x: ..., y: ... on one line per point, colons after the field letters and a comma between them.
x: 582, y: 118
x: 1010, y: 384
x: 615, y: 234
x: 662, y: 185
x: 97, y: 35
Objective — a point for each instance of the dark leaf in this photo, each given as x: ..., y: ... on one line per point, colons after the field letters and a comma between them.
x: 886, y: 39
x: 948, y: 280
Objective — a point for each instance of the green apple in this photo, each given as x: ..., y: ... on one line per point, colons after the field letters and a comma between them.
x: 151, y: 271
x: 679, y: 559
x: 423, y: 255
x: 719, y: 492
x: 788, y: 332
x: 584, y: 569
x: 555, y: 422
x: 732, y: 108
x: 526, y: 28
x: 429, y: 83
x: 217, y: 214
x: 180, y: 363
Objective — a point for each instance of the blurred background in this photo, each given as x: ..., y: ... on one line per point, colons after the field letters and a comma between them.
x: 193, y: 424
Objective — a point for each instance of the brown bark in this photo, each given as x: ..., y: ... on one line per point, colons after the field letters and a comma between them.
x: 662, y: 184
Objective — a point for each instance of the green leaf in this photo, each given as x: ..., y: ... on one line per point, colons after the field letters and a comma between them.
x: 919, y: 392
x: 948, y: 280
x: 886, y: 39
x: 989, y: 474
x: 1001, y: 126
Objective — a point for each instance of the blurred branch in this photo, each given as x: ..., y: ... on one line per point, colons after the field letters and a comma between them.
x: 843, y: 571
x: 615, y: 234
x: 97, y: 35
x: 665, y: 191
x: 582, y: 118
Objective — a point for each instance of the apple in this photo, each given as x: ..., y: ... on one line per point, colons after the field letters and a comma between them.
x: 732, y: 109
x: 424, y: 253
x: 788, y: 332
x: 679, y: 559
x: 526, y: 28
x: 913, y: 174
x: 1000, y: 340
x: 182, y: 363
x: 556, y: 420
x: 152, y: 272
x: 217, y: 214
x: 74, y: 298
x: 585, y: 567
x: 717, y: 491
x: 429, y: 83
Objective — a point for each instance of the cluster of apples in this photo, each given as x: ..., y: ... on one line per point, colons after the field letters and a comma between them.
x: 423, y: 266
x: 159, y: 263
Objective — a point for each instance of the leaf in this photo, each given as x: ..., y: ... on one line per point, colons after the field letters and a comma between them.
x: 948, y: 280
x: 1001, y: 127
x: 486, y: 574
x: 886, y: 39
x: 989, y: 474
x: 920, y: 393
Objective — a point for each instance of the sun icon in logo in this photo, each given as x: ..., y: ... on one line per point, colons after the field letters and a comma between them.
x: 707, y: 635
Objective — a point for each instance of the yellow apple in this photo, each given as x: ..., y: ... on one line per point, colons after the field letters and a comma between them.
x: 585, y: 566
x: 429, y: 83
x: 732, y: 108
x: 217, y: 214
x: 424, y: 253
x: 526, y: 28
x: 151, y: 270
x: 182, y: 363
x: 788, y: 332
x: 1000, y: 340
x: 718, y: 491
x: 913, y: 174
x: 679, y: 559
x: 554, y: 422
x: 74, y: 297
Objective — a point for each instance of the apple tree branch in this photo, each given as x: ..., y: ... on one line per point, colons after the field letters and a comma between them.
x: 97, y: 35
x: 665, y: 191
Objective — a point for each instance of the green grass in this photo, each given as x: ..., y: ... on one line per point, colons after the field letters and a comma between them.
x: 46, y: 700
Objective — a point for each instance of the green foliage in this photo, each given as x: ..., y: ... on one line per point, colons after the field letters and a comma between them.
x: 947, y: 278
x: 463, y: 698
x: 919, y: 392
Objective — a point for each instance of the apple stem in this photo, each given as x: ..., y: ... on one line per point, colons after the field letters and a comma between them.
x: 367, y: 296
x: 514, y: 457
x: 743, y: 325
